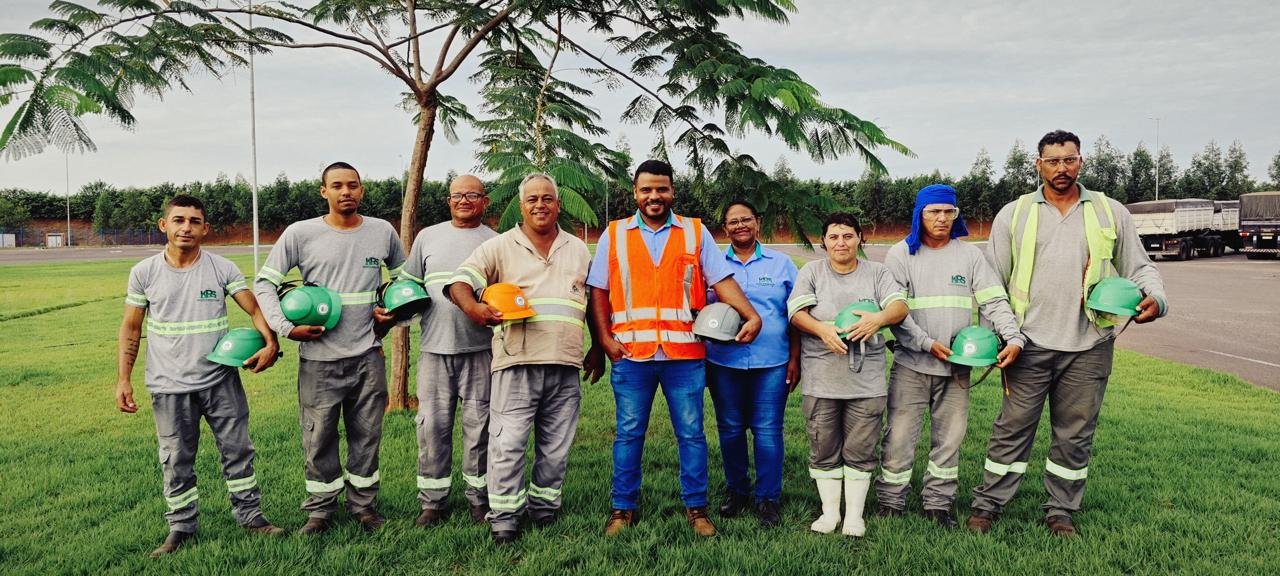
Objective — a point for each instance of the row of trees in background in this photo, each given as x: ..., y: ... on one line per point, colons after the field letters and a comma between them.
x: 877, y: 198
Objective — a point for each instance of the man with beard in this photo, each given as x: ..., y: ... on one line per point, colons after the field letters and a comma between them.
x: 341, y: 372
x: 650, y: 274
x: 1051, y: 247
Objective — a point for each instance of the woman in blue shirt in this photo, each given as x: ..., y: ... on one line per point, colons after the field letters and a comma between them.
x: 749, y: 382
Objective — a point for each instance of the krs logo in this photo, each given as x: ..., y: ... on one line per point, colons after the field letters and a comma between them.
x: 208, y: 295
x: 959, y: 280
x: 372, y: 262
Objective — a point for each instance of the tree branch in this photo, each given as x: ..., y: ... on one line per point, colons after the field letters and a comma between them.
x: 427, y: 31
x: 415, y: 49
x: 471, y: 45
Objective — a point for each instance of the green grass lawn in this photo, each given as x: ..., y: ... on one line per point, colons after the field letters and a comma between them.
x: 1185, y: 478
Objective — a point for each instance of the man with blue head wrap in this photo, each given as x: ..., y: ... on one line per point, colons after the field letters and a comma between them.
x: 942, y: 278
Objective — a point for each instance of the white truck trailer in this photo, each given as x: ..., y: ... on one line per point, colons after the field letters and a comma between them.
x: 1260, y: 224
x: 1185, y: 228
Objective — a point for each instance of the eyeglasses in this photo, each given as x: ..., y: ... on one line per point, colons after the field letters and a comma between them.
x: 736, y: 222
x: 943, y: 213
x: 1068, y: 161
x: 469, y: 197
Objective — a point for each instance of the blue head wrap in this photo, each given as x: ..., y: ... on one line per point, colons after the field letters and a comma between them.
x: 933, y: 194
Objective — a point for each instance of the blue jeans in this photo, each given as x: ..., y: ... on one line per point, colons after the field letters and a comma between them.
x: 634, y: 385
x: 755, y: 399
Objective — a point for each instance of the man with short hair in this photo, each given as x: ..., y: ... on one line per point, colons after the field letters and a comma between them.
x: 181, y: 294
x: 649, y: 275
x: 536, y: 360
x: 943, y: 276
x: 455, y: 358
x: 341, y: 372
x: 1051, y: 247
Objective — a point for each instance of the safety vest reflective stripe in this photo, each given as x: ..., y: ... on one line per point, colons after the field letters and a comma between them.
x: 363, y: 481
x: 316, y: 487
x: 636, y: 336
x: 549, y: 494
x: 1101, y: 242
x: 826, y: 474
x: 943, y: 473
x: 182, y: 500
x: 669, y: 314
x: 242, y: 484
x: 508, y: 503
x: 856, y: 474
x: 236, y: 286
x: 988, y: 294
x: 923, y: 302
x: 271, y: 275
x: 471, y: 276
x: 353, y: 298
x: 425, y: 483
x: 474, y: 481
x: 435, y: 278
x: 899, y: 478
x: 138, y: 300
x: 800, y: 303
x: 1065, y: 473
x: 159, y: 328
x: 1002, y: 469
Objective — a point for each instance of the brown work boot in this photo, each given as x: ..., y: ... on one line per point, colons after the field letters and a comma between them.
x: 1060, y: 525
x: 478, y: 512
x: 981, y: 521
x: 263, y: 527
x: 171, y: 543
x: 620, y: 520
x: 371, y: 520
x: 701, y: 524
x: 315, y: 525
x: 431, y: 516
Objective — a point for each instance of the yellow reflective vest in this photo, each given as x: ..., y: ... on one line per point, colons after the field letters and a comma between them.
x: 1102, y: 244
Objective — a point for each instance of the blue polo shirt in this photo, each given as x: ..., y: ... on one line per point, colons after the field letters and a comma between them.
x: 767, y: 279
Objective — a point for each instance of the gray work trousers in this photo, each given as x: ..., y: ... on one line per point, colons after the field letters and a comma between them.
x: 1073, y: 383
x: 444, y: 380
x: 842, y: 436
x: 226, y: 410
x: 355, y: 391
x: 946, y: 399
x: 544, y: 399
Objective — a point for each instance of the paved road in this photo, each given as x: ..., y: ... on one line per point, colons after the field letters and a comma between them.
x: 1224, y: 315
x: 1225, y: 312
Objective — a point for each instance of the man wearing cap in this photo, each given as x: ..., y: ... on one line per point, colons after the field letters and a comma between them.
x: 455, y: 358
x: 1050, y: 248
x: 532, y: 281
x: 650, y: 273
x: 341, y: 372
x: 942, y: 277
x: 181, y: 294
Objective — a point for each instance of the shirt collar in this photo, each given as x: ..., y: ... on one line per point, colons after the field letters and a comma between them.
x: 636, y: 220
x: 731, y: 256
x: 1085, y: 194
x: 523, y: 239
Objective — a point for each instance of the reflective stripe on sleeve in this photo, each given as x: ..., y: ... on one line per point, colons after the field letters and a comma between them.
x: 136, y: 300
x: 271, y: 275
x: 988, y: 294
x: 237, y: 286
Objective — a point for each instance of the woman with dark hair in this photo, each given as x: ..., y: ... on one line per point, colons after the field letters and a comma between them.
x: 844, y: 386
x: 749, y: 382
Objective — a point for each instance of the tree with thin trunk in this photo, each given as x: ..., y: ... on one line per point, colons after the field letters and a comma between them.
x: 683, y: 69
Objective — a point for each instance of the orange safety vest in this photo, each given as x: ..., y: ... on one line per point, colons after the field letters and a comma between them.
x: 653, y: 305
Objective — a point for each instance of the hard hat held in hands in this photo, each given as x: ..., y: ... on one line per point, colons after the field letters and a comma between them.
x: 718, y: 321
x: 974, y: 346
x: 509, y: 299
x: 311, y: 305
x: 403, y: 298
x: 236, y: 346
x: 1115, y: 295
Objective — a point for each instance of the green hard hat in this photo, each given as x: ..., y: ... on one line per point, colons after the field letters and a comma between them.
x: 236, y: 346
x: 847, y: 318
x: 1115, y: 295
x: 311, y: 305
x: 974, y: 346
x: 403, y: 298
x: 718, y: 321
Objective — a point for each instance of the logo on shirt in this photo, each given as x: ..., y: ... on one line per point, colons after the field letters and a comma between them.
x: 372, y: 262
x: 208, y: 295
x: 959, y: 280
x: 575, y: 288
x: 764, y: 281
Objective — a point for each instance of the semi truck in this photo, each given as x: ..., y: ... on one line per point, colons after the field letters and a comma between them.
x: 1260, y: 224
x: 1184, y: 228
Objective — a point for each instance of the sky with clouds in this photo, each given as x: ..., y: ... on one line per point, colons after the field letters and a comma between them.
x: 946, y: 79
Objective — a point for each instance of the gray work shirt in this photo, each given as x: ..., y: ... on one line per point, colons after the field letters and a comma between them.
x: 824, y: 292
x: 1055, y: 317
x: 186, y: 316
x: 348, y: 261
x: 941, y: 286
x: 433, y: 260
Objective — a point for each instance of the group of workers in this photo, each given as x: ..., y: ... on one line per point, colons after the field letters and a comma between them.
x: 506, y: 337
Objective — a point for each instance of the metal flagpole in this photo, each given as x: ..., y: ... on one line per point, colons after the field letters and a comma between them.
x: 67, y: 164
x: 253, y: 134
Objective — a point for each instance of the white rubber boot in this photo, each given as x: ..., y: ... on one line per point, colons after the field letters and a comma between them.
x: 855, y: 499
x: 829, y: 492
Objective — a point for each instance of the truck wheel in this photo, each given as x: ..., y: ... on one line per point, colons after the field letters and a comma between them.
x: 1190, y: 251
x: 1219, y: 249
